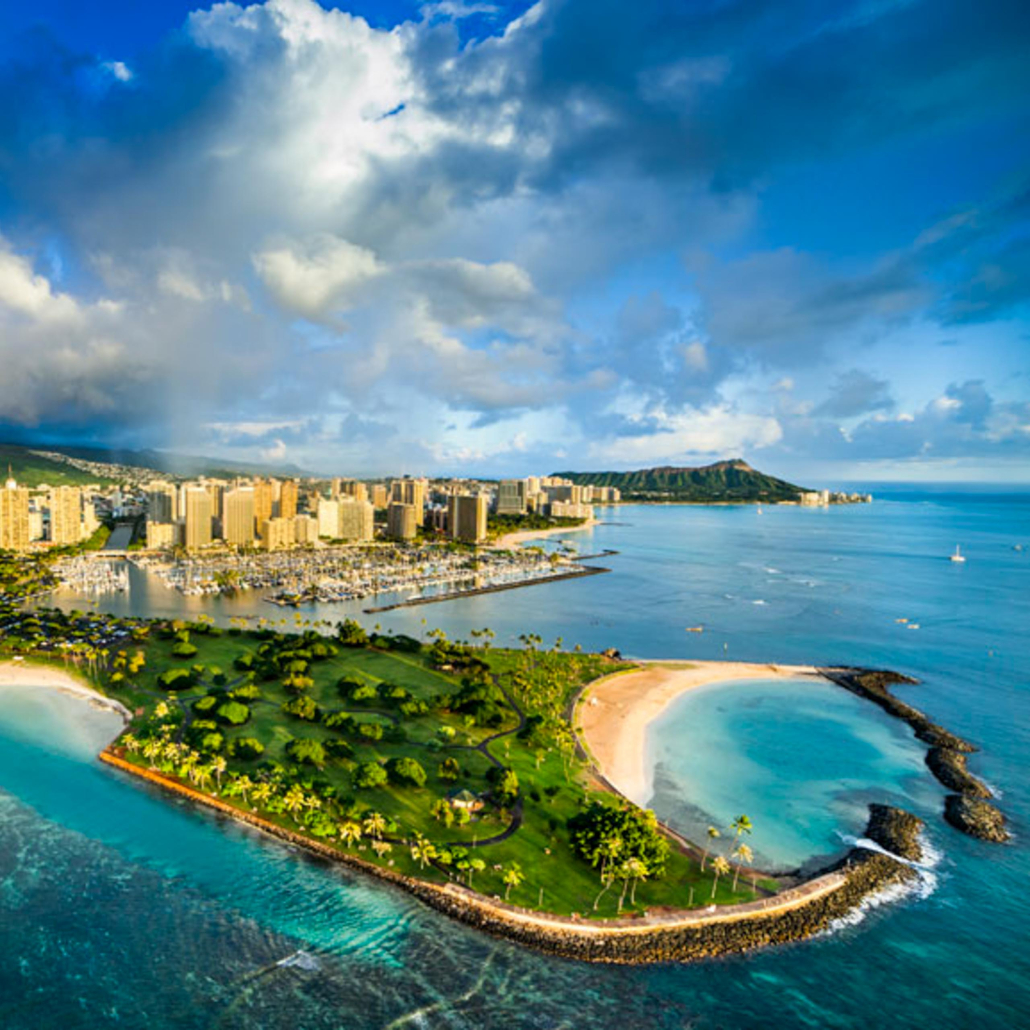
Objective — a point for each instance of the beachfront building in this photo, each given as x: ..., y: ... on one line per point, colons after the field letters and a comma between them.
x: 570, y: 510
x: 401, y: 521
x: 14, y: 517
x: 278, y: 533
x: 65, y: 504
x: 305, y: 529
x: 238, y: 518
x: 163, y: 536
x: 411, y: 492
x: 199, y: 509
x: 356, y: 520
x: 467, y: 517
x: 511, y: 497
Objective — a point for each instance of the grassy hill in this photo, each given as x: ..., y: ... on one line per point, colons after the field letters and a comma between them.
x: 30, y: 469
x: 732, y: 481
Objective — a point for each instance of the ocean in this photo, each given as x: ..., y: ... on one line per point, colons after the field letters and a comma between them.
x: 118, y: 907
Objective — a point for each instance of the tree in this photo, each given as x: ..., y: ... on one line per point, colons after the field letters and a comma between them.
x: 294, y: 800
x: 508, y: 788
x: 374, y: 825
x: 602, y: 821
x: 244, y: 784
x: 218, y: 766
x: 442, y: 811
x: 350, y: 832
x: 233, y: 713
x: 512, y: 877
x: 351, y: 634
x: 720, y: 867
x: 713, y: 835
x: 744, y: 856
x: 307, y: 750
x: 422, y: 851
x: 263, y: 792
x: 301, y: 707
x: 741, y: 825
x: 632, y: 870
x: 476, y: 865
x: 406, y: 770
x: 381, y: 847
x: 370, y: 774
x: 449, y: 769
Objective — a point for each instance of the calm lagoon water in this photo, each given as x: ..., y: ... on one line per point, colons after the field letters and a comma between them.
x: 120, y: 908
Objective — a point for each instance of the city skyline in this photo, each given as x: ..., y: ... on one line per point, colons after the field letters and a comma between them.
x: 498, y: 239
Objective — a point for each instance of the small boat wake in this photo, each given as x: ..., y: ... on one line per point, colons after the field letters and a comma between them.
x: 299, y: 960
x: 921, y: 888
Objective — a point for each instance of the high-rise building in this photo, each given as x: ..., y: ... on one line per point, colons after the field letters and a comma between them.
x: 14, y: 517
x: 380, y: 495
x: 356, y: 520
x: 238, y: 519
x: 162, y: 501
x: 305, y: 529
x: 264, y: 499
x: 164, y: 535
x: 354, y: 488
x: 329, y: 518
x: 401, y: 523
x: 278, y: 533
x: 410, y: 491
x: 65, y: 515
x: 199, y: 507
x: 468, y: 517
x: 511, y: 497
x: 288, y: 499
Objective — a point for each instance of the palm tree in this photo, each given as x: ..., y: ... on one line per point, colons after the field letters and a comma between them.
x: 744, y: 856
x: 381, y: 847
x: 720, y: 867
x: 350, y: 832
x: 741, y: 825
x: 512, y: 877
x: 632, y: 870
x: 152, y: 749
x: 422, y: 851
x: 262, y: 793
x: 294, y: 800
x: 713, y: 835
x: 130, y: 743
x: 374, y: 825
x: 244, y: 784
x: 476, y: 865
x: 218, y: 766
x: 202, y: 774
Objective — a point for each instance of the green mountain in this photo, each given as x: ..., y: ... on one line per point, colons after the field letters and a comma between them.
x: 726, y: 481
x: 31, y: 469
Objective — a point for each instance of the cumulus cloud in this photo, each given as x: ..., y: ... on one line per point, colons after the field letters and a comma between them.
x: 458, y: 222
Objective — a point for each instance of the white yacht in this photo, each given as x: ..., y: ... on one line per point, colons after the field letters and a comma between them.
x: 958, y: 555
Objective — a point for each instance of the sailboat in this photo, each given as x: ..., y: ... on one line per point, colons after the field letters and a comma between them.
x: 958, y: 555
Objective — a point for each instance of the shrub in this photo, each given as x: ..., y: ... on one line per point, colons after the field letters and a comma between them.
x: 370, y: 774
x: 406, y: 770
x: 364, y: 692
x: 339, y: 721
x: 307, y: 751
x: 175, y: 679
x: 244, y: 662
x: 246, y: 692
x: 246, y: 748
x: 205, y: 704
x: 184, y: 650
x: 371, y: 730
x: 351, y: 634
x: 301, y: 708
x: 337, y: 748
x: 233, y: 712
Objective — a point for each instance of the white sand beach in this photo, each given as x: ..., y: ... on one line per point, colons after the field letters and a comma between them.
x: 614, y: 713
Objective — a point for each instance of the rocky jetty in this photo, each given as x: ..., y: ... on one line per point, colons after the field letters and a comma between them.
x: 976, y: 817
x: 966, y: 810
x: 896, y: 830
x: 949, y: 766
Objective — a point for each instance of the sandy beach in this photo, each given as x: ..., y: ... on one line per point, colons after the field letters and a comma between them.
x: 614, y: 713
x: 31, y: 674
x: 510, y: 540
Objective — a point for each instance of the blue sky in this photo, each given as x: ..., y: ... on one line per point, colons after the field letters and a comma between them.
x: 466, y: 237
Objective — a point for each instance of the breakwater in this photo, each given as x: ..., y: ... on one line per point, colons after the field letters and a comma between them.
x: 946, y: 757
x: 678, y: 936
x: 454, y: 595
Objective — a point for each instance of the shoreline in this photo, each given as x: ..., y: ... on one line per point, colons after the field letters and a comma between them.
x: 688, y: 935
x: 613, y: 714
x: 521, y: 536
x: 50, y: 677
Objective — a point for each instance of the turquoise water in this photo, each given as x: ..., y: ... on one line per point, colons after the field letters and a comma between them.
x: 120, y: 908
x: 801, y: 759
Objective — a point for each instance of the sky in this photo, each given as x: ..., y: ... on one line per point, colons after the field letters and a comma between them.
x: 488, y: 238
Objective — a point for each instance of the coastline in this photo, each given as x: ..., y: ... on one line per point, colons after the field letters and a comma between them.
x: 521, y: 536
x: 613, y: 713
x: 49, y: 677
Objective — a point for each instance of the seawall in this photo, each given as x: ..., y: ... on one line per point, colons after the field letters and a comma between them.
x: 679, y: 936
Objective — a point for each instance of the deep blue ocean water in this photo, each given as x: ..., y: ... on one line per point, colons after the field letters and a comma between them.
x: 120, y: 908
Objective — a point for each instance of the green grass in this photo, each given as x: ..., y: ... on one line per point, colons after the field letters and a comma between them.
x: 555, y: 785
